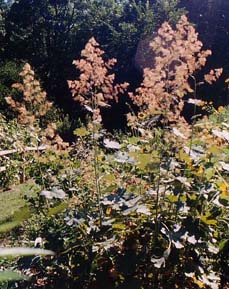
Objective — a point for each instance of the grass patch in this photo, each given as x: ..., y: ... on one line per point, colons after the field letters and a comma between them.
x: 13, y: 199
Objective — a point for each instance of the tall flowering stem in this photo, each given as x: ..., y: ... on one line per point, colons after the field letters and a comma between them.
x: 95, y: 89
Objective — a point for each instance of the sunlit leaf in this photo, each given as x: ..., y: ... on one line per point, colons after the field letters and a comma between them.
x: 214, y: 150
x: 6, y: 227
x: 224, y: 200
x: 142, y: 209
x: 108, y: 211
x: 18, y: 251
x: 172, y: 198
x: 224, y: 166
x: 82, y: 131
x: 158, y: 262
x: 110, y: 188
x: 119, y: 226
x: 178, y: 133
x: 11, y: 276
x: 22, y: 214
x: 54, y: 193
x: 213, y: 249
x: 58, y: 209
x: 185, y: 157
x: 111, y: 144
x: 133, y: 140
x: 143, y: 160
x: 209, y: 173
x: 109, y: 177
x: 222, y: 244
x: 207, y: 221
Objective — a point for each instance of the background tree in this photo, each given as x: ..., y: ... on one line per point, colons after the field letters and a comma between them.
x: 211, y: 20
x: 49, y: 34
x: 3, y: 7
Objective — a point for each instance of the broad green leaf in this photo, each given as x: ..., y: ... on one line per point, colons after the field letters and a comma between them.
x: 192, y: 197
x: 22, y: 214
x: 110, y: 188
x: 58, y: 209
x: 222, y: 244
x: 18, y: 251
x: 119, y: 226
x: 226, y: 150
x: 143, y: 160
x: 172, y: 198
x: 6, y: 227
x: 133, y: 140
x: 183, y: 198
x: 18, y: 217
x: 11, y: 276
x: 109, y: 177
x: 209, y: 173
x: 82, y: 131
x: 185, y: 157
x: 204, y: 219
x: 214, y: 150
x: 133, y: 189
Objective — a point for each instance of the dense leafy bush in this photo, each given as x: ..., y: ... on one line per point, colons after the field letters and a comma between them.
x: 9, y: 74
x: 159, y: 218
x: 145, y: 209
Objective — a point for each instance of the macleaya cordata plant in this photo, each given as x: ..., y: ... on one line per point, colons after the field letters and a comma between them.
x: 96, y: 87
x: 178, y: 56
x: 32, y: 106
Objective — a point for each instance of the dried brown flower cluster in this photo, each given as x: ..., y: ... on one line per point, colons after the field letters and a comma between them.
x: 178, y: 55
x: 50, y: 137
x: 213, y: 75
x: 95, y: 87
x: 34, y: 103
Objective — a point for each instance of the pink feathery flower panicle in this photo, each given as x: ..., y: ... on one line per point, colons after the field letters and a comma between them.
x: 34, y: 103
x: 178, y: 55
x: 33, y: 106
x: 95, y: 86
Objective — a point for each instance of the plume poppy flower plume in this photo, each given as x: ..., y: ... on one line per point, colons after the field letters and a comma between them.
x: 95, y: 87
x: 178, y: 55
x: 33, y: 104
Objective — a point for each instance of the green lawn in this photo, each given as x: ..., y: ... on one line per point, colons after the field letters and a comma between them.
x: 12, y: 200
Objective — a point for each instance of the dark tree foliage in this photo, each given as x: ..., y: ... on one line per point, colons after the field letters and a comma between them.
x: 211, y: 20
x: 45, y: 33
x: 50, y: 34
x: 3, y: 9
x: 9, y: 74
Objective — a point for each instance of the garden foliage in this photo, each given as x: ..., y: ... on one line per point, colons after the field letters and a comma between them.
x: 146, y: 209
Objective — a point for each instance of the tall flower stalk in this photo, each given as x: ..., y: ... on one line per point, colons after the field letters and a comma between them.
x: 95, y: 89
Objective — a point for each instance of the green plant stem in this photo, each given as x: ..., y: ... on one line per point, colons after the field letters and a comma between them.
x: 95, y: 164
x: 194, y: 113
x: 96, y: 172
